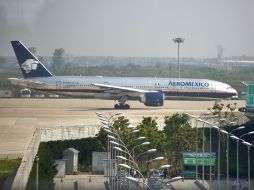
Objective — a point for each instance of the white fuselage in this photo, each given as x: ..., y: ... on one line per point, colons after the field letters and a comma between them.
x: 82, y: 86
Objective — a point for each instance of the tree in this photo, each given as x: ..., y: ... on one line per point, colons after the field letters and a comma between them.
x: 32, y: 50
x: 58, y: 59
x: 179, y: 134
x: 174, y: 123
x: 2, y: 60
x: 180, y: 137
x: 125, y: 133
x: 223, y: 111
x: 217, y: 108
x: 102, y: 139
x: 149, y: 129
x: 47, y: 169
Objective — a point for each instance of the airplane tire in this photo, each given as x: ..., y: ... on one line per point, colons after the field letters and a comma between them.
x: 126, y: 106
x: 122, y: 106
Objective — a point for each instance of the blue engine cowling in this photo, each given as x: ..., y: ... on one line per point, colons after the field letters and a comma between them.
x: 153, y: 99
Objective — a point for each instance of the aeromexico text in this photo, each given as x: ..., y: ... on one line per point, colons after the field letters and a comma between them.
x: 199, y: 84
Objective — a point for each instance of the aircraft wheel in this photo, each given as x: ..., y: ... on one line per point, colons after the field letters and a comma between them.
x: 122, y: 106
x: 126, y: 106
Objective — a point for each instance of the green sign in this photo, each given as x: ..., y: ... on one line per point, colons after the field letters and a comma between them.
x: 193, y: 158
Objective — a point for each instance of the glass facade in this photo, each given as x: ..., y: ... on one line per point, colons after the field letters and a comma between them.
x: 249, y: 90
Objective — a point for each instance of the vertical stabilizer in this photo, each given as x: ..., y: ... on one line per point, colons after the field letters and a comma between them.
x: 29, y: 64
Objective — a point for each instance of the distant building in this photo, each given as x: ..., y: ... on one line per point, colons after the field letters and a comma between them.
x: 249, y: 108
x: 99, y: 160
x: 60, y: 167
x: 71, y: 164
x: 5, y: 94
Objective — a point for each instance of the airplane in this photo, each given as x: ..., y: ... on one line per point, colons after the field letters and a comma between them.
x: 148, y: 90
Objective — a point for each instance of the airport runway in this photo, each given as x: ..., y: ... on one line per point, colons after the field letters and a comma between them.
x: 20, y: 117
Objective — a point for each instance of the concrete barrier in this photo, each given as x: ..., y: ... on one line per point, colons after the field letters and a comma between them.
x: 201, y: 186
x: 215, y: 121
x: 45, y: 135
x: 68, y: 133
x: 26, y: 165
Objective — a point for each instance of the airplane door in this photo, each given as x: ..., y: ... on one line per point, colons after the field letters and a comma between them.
x: 58, y: 84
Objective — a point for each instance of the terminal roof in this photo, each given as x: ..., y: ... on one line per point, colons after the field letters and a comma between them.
x: 248, y: 83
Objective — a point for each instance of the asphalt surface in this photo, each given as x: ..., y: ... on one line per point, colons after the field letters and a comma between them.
x: 80, y: 182
x: 20, y: 117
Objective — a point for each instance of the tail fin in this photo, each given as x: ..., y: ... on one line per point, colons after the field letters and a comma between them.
x: 29, y: 64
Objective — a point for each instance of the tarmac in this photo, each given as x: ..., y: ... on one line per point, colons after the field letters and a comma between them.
x: 20, y: 117
x: 81, y: 182
x: 97, y: 182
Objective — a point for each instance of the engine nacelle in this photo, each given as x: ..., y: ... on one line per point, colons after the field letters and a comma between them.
x: 153, y: 99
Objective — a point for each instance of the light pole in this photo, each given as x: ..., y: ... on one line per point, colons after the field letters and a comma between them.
x: 178, y: 41
x: 227, y: 152
x: 196, y: 127
x: 147, y: 152
x: 126, y: 151
x: 110, y: 132
x: 237, y: 153
x: 237, y: 142
x: 130, y: 161
x: 148, y: 162
x: 248, y: 145
x: 37, y: 172
x: 210, y: 151
x: 203, y: 142
x: 196, y: 123
x: 107, y: 126
x: 129, y: 167
x: 136, y: 139
x: 109, y: 157
x: 221, y: 120
x: 203, y: 149
x: 142, y: 144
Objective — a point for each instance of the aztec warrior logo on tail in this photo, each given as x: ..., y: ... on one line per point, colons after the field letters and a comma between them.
x: 29, y: 65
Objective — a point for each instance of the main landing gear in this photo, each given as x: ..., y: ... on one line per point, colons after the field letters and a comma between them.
x: 122, y: 103
x: 122, y: 106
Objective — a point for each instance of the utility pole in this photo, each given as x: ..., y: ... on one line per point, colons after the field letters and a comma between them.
x: 37, y: 172
x: 178, y: 41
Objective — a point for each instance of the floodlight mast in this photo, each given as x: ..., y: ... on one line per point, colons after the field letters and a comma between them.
x: 178, y: 41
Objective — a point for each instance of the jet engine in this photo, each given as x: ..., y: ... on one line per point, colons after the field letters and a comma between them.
x: 153, y: 99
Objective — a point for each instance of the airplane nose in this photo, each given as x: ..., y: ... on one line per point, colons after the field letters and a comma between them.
x: 235, y: 92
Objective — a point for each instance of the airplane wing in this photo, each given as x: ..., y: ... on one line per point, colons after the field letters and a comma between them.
x: 26, y: 83
x: 125, y: 89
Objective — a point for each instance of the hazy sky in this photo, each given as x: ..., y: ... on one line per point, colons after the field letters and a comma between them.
x: 129, y: 27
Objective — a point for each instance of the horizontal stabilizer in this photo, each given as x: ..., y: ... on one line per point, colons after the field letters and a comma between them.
x: 26, y: 83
